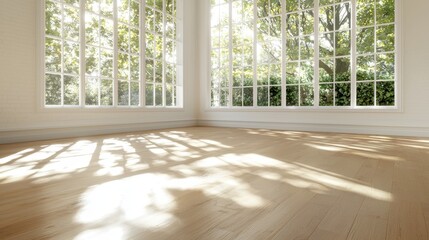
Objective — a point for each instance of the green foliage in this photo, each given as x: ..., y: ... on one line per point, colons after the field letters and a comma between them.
x: 292, y: 93
x: 275, y: 96
x: 385, y: 93
x: 365, y: 94
x: 342, y: 94
x: 326, y: 95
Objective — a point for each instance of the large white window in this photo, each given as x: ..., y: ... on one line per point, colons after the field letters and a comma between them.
x: 304, y: 53
x: 108, y: 53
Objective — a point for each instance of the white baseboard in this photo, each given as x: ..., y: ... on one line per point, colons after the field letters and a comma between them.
x: 356, y: 129
x: 84, y: 131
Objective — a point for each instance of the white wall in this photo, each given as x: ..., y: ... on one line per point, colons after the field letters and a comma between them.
x: 413, y: 120
x: 20, y: 117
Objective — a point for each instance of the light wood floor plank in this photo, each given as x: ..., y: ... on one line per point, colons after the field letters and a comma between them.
x: 208, y: 183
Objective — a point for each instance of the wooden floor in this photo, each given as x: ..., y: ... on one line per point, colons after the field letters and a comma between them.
x: 216, y: 183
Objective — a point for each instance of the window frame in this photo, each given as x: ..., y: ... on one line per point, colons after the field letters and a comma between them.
x: 82, y: 107
x: 398, y: 107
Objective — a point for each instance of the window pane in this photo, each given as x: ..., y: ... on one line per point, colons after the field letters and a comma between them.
x: 71, y: 90
x: 385, y: 93
x: 326, y: 95
x: 106, y: 93
x: 365, y: 94
x: 123, y: 93
x: 91, y: 91
x: 342, y: 94
x: 53, y: 89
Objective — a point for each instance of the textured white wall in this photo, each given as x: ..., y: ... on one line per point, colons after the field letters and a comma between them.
x: 18, y: 78
x: 413, y: 120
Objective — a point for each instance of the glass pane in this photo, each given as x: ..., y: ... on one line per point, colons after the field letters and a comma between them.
x: 307, y: 48
x: 326, y: 70
x: 275, y: 7
x: 342, y: 94
x: 365, y: 94
x: 123, y: 66
x: 365, y: 40
x: 52, y: 89
x: 292, y: 25
x: 342, y: 43
x: 92, y: 5
x: 342, y: 70
x: 91, y: 91
x: 123, y: 38
x: 71, y: 90
x: 262, y: 96
x: 365, y: 68
x: 275, y: 74
x: 123, y: 93
x: 106, y: 64
x: 106, y: 8
x: 158, y: 95
x: 343, y: 16
x: 385, y: 93
x: 248, y: 76
x: 365, y: 14
x: 149, y: 95
x: 307, y: 22
x: 263, y: 74
x: 307, y: 72
x: 386, y: 38
x: 135, y: 92
x: 123, y: 11
x: 326, y: 93
x: 326, y: 19
x: 275, y: 96
x: 135, y: 68
x: 326, y: 45
x: 53, y: 19
x: 292, y: 73
x: 292, y: 93
x: 134, y: 13
x: 385, y: 66
x: 106, y: 33
x: 52, y: 55
x: 248, y: 96
x: 262, y: 7
x: 71, y: 23
x: 71, y: 59
x: 292, y: 49
x: 149, y: 20
x: 224, y: 92
x: 91, y: 29
x: 307, y: 95
x: 149, y: 71
x: 385, y: 11
x: 92, y: 57
x: 305, y: 4
x: 106, y: 92
x: 237, y: 97
x: 291, y: 5
x: 158, y: 71
x: 169, y: 95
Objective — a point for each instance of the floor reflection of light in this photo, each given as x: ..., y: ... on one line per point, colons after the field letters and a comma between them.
x: 14, y: 156
x: 115, y: 232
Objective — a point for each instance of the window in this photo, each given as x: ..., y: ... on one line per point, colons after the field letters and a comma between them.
x: 304, y: 53
x: 96, y: 50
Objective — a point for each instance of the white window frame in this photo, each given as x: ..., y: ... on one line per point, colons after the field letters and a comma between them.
x: 353, y: 108
x: 40, y: 65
